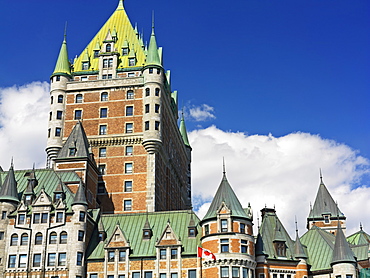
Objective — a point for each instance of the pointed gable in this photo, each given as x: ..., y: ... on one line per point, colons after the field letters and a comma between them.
x: 342, y: 252
x: 117, y: 239
x: 42, y: 199
x: 9, y: 191
x: 168, y: 237
x: 225, y: 194
x: 77, y: 141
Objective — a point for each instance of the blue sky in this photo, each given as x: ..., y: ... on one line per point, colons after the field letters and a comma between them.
x: 258, y: 67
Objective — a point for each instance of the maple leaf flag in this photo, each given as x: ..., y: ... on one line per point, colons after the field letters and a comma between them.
x: 204, y: 253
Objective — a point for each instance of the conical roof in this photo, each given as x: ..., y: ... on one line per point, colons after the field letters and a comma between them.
x: 324, y: 204
x: 31, y: 184
x: 80, y: 198
x: 298, y: 248
x: 9, y: 191
x: 342, y: 252
x: 62, y: 66
x: 78, y: 140
x: 183, y: 131
x: 225, y: 194
x: 120, y: 23
x: 153, y: 55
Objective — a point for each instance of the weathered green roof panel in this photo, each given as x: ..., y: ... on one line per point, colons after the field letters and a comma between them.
x: 359, y: 238
x: 8, y: 191
x: 342, y: 252
x: 183, y: 132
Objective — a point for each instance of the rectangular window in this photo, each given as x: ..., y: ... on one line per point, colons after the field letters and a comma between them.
x: 173, y: 254
x: 78, y: 114
x: 156, y: 125
x: 94, y: 275
x: 348, y: 275
x: 103, y: 112
x: 102, y: 130
x: 136, y: 275
x: 58, y: 131
x: 111, y: 256
x: 85, y: 65
x: 224, y: 272
x: 60, y: 217
x: 242, y: 228
x: 36, y: 260
x: 81, y: 217
x: 62, y: 259
x: 124, y: 51
x: 128, y: 186
x: 223, y: 225
x: 150, y: 70
x: 157, y: 92
x: 105, y: 63
x: 156, y: 108
x: 206, y: 229
x: 36, y: 218
x: 148, y: 274
x: 51, y: 259
x: 3, y: 214
x: 162, y: 254
x: 245, y: 273
x: 104, y: 96
x: 129, y: 110
x: 147, y: 125
x: 102, y: 169
x: 1, y: 235
x: 12, y: 261
x: 122, y: 256
x: 21, y: 219
x: 22, y: 261
x: 281, y: 275
x: 326, y: 219
x: 174, y: 275
x: 162, y: 275
x: 128, y: 168
x: 129, y: 128
x: 131, y: 62
x: 130, y: 94
x: 147, y: 106
x: 110, y: 63
x: 59, y: 115
x: 121, y: 276
x: 79, y: 258
x: 81, y: 235
x: 110, y: 276
x: 224, y: 245
x: 127, y: 205
x: 192, y: 273
x: 102, y: 152
x: 72, y: 151
x: 236, y: 272
x: 44, y: 218
x: 129, y: 150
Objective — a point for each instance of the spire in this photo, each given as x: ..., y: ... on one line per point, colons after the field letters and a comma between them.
x: 80, y: 198
x: 76, y: 144
x: 62, y: 66
x: 32, y: 183
x: 120, y: 5
x: 298, y: 247
x: 183, y: 132
x: 153, y: 55
x: 342, y: 252
x: 9, y: 191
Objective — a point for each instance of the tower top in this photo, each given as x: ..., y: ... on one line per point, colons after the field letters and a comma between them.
x: 62, y: 66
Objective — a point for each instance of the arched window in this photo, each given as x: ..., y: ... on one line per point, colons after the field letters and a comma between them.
x: 53, y: 238
x: 24, y: 239
x: 14, y: 240
x: 60, y: 99
x: 63, y: 238
x: 51, y: 100
x: 104, y: 96
x: 157, y: 92
x: 79, y: 98
x: 38, y: 239
x: 147, y: 92
x: 108, y: 47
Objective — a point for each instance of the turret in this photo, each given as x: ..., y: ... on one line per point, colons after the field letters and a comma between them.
x: 58, y: 86
x: 29, y: 194
x: 300, y: 254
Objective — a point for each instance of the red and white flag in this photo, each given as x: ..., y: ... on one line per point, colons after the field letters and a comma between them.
x: 204, y: 253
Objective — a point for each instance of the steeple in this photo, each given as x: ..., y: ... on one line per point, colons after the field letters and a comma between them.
x: 29, y: 193
x: 9, y: 191
x: 298, y: 247
x: 80, y: 198
x: 342, y: 252
x: 183, y: 132
x: 153, y: 55
x: 62, y: 66
x: 120, y: 5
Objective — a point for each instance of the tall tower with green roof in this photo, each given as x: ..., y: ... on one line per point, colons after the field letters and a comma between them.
x: 122, y: 94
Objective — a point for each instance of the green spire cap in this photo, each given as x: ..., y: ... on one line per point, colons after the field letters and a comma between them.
x: 9, y: 191
x: 132, y: 52
x: 153, y: 55
x: 97, y: 46
x: 62, y: 66
x: 80, y: 198
x: 183, y: 132
x: 120, y: 5
x: 86, y: 57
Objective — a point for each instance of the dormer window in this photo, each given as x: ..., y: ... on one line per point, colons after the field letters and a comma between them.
x: 131, y: 62
x: 57, y: 196
x: 72, y: 151
x: 108, y: 48
x: 147, y: 233
x: 192, y: 232
x: 125, y: 51
x: 223, y: 225
x: 85, y: 65
x: 280, y: 248
x: 96, y: 53
x: 326, y: 219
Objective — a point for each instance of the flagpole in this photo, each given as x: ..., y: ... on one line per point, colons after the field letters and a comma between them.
x: 201, y: 266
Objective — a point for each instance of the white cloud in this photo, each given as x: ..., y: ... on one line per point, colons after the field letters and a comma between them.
x: 202, y: 113
x: 23, y: 125
x: 281, y: 172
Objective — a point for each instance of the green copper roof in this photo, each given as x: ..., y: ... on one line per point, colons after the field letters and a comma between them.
x: 8, y: 190
x: 153, y: 55
x: 324, y: 204
x: 342, y: 252
x: 62, y: 66
x: 183, y: 132
x: 121, y: 25
x: 76, y: 140
x: 298, y: 248
x: 225, y: 194
x: 359, y: 237
x: 132, y: 225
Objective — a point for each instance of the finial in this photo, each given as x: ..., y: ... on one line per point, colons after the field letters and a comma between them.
x: 310, y: 206
x: 296, y: 224
x: 321, y: 181
x: 11, y: 163
x: 120, y: 4
x: 153, y: 20
x: 258, y: 223
x: 224, y: 168
x: 360, y: 226
x: 65, y: 31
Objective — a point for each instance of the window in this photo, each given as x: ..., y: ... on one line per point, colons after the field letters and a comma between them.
x: 192, y: 273
x: 104, y: 96
x: 103, y: 112
x: 96, y: 53
x: 128, y: 186
x: 173, y: 254
x: 110, y: 63
x: 101, y: 187
x: 1, y: 235
x: 85, y: 65
x: 122, y: 256
x: 224, y: 245
x: 244, y: 246
x: 79, y: 258
x: 191, y: 232
x: 49, y: 131
x: 78, y: 114
x: 58, y: 131
x: 128, y: 168
x: 21, y: 219
x: 50, y: 116
x: 108, y: 48
x: 206, y: 229
x: 72, y: 151
x: 51, y: 100
x: 235, y: 272
x: 60, y: 99
x: 147, y: 92
x: 156, y: 125
x: 3, y: 214
x: 131, y: 62
x: 94, y: 275
x: 150, y: 70
x: 81, y: 217
x: 129, y: 110
x: 79, y: 98
x: 129, y: 150
x: 36, y: 218
x: 174, y: 275
x: 162, y: 254
x: 127, y: 205
x: 148, y: 274
x: 14, y: 240
x: 102, y: 152
x: 348, y: 275
x: 242, y: 228
x: 290, y: 276
x: 223, y: 225
x: 60, y: 216
x: 38, y: 239
x: 281, y: 275
x: 12, y: 261
x: 101, y: 169
x: 53, y: 238
x: 59, y: 115
x: 51, y: 259
x: 129, y: 127
x: 81, y: 235
x: 63, y: 238
x: 102, y: 130
x: 156, y: 108
x: 24, y: 239
x: 111, y: 256
x: 224, y: 272
x: 125, y: 51
x: 280, y: 248
x: 245, y: 273
x: 326, y: 219
x: 147, y: 108
x: 62, y: 258
x: 44, y: 218
x: 147, y: 125
x: 136, y: 275
x: 36, y: 260
x: 162, y: 275
x: 157, y: 92
x: 130, y: 94
x: 84, y: 78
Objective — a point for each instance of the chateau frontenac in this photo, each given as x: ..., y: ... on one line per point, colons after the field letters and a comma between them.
x: 114, y: 200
